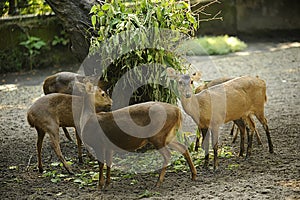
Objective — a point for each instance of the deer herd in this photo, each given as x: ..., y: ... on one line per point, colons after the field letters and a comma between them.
x: 73, y: 100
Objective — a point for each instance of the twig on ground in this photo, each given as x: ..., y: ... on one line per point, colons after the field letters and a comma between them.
x: 28, y: 164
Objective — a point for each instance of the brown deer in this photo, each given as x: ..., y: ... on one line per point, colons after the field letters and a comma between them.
x: 64, y: 82
x: 233, y: 100
x: 130, y: 128
x: 250, y: 123
x: 56, y: 110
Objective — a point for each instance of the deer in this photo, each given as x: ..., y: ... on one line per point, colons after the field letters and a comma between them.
x: 52, y: 111
x: 64, y: 82
x: 130, y: 128
x: 251, y: 122
x: 233, y: 100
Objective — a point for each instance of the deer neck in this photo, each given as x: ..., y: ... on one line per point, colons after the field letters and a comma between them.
x: 88, y: 108
x: 191, y: 107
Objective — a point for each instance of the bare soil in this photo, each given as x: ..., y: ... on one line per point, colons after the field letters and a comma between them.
x: 263, y: 176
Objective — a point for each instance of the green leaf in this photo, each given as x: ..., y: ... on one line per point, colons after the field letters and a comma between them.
x: 23, y: 43
x: 145, y: 194
x: 94, y: 9
x: 182, y: 5
x: 55, y: 180
x: 126, y: 176
x: 78, y: 181
x: 39, y: 44
x: 54, y: 42
x: 95, y: 176
x: 159, y: 15
x: 105, y: 6
x: 13, y: 167
x: 50, y: 174
x: 191, y: 18
x: 100, y: 13
x: 62, y: 175
x: 55, y: 164
x: 133, y: 182
x: 93, y: 19
x: 148, y: 193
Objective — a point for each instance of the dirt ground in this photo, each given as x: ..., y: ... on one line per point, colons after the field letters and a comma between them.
x: 264, y: 176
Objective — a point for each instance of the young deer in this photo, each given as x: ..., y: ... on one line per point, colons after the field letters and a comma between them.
x: 56, y: 110
x: 130, y: 128
x: 64, y: 82
x: 251, y: 123
x: 231, y: 101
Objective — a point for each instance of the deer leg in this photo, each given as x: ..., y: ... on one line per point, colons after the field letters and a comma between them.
x: 79, y: 146
x: 232, y: 131
x: 101, y: 177
x: 183, y: 150
x: 100, y: 155
x: 205, y: 146
x: 54, y: 136
x: 197, y: 140
x: 39, y: 144
x: 242, y: 127
x: 165, y: 152
x: 258, y: 138
x: 252, y: 126
x: 67, y: 134
x: 235, y: 134
x: 250, y: 132
x: 264, y: 122
x: 249, y: 148
x: 215, y: 141
x: 108, y: 157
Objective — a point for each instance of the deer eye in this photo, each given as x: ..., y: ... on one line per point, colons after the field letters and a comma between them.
x: 192, y: 82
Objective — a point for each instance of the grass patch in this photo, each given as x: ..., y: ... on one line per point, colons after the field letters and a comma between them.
x: 213, y: 45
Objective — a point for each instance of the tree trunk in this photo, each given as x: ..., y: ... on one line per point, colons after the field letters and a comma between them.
x: 74, y: 15
x: 13, y: 9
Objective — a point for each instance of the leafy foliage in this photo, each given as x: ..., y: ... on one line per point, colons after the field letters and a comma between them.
x: 35, y: 7
x: 33, y: 45
x: 62, y: 39
x: 130, y: 35
x: 38, y: 7
x: 11, y: 60
x: 34, y: 52
x: 147, y: 194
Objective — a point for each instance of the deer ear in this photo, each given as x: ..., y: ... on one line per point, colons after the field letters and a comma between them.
x: 89, y: 87
x: 104, y: 85
x: 196, y: 76
x: 171, y: 73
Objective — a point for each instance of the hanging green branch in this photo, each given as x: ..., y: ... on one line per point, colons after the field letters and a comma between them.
x: 143, y: 32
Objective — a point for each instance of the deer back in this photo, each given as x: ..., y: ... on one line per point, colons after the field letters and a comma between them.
x: 118, y: 132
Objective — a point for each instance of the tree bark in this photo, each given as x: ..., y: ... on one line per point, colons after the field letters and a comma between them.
x: 74, y: 15
x: 13, y: 7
